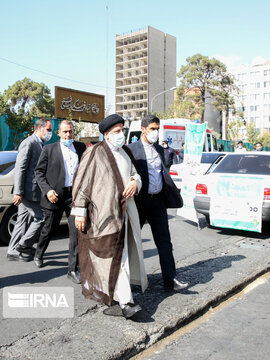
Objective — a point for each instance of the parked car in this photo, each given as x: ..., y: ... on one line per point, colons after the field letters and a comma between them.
x: 207, y: 159
x: 237, y: 164
x: 8, y: 211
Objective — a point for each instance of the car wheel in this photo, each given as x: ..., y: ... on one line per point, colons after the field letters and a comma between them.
x: 7, y: 224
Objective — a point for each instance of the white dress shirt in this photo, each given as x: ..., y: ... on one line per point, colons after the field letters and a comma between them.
x: 154, y: 168
x: 71, y: 162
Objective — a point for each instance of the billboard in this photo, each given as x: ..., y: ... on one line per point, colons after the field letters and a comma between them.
x: 81, y: 105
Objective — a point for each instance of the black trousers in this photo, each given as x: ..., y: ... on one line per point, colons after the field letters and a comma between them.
x: 52, y: 219
x: 154, y: 211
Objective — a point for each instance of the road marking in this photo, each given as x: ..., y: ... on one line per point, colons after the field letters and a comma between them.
x: 161, y: 344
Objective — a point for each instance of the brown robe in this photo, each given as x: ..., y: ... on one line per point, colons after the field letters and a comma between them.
x: 98, y: 186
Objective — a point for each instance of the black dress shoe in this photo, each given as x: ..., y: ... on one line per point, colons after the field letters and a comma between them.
x: 25, y: 249
x: 74, y: 276
x: 19, y: 257
x: 38, y: 262
x: 130, y: 310
x: 176, y: 285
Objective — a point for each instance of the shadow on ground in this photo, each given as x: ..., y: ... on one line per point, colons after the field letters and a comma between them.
x: 201, y: 272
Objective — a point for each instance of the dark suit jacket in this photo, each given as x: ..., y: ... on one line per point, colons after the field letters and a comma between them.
x: 170, y: 156
x: 50, y: 171
x: 171, y: 194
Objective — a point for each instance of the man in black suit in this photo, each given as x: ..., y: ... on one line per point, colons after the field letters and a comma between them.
x: 54, y: 174
x: 169, y: 154
x: 157, y: 194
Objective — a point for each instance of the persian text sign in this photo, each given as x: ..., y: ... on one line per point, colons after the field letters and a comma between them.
x: 236, y: 202
x: 82, y: 105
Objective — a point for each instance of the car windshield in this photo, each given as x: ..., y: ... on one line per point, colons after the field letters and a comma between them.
x: 244, y: 164
x: 209, y: 158
x: 7, y: 162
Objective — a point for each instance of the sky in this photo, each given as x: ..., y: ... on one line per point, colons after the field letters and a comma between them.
x: 71, y: 43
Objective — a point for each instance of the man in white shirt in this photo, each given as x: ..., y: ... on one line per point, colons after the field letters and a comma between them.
x: 240, y: 148
x: 54, y: 173
x: 157, y: 194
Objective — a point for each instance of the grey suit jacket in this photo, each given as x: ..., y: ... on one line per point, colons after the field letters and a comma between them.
x: 25, y: 183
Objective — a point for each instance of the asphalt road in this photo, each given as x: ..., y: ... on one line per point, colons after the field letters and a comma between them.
x: 238, y: 329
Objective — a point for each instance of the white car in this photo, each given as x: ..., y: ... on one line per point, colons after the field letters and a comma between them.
x: 8, y: 211
x: 207, y: 159
x: 240, y: 165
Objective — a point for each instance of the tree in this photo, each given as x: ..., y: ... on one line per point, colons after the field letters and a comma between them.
x: 265, y: 138
x: 204, y: 78
x: 23, y: 101
x: 235, y: 129
x: 252, y: 133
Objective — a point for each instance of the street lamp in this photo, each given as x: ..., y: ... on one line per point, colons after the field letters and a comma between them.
x: 162, y: 92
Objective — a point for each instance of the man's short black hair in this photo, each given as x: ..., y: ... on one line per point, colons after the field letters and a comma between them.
x: 165, y: 141
x: 258, y: 143
x: 149, y: 119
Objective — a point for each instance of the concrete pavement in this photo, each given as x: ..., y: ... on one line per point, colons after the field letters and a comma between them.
x: 215, y: 262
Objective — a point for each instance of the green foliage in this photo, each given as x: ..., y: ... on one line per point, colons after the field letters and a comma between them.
x: 169, y: 114
x: 234, y: 129
x: 23, y: 101
x: 265, y: 138
x: 201, y: 77
x: 77, y: 125
x: 252, y: 133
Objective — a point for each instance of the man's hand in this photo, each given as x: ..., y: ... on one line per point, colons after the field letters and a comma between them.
x: 17, y: 199
x: 52, y: 196
x: 130, y: 189
x: 80, y: 222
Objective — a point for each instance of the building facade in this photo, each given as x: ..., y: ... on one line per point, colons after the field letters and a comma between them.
x: 145, y: 67
x: 254, y: 96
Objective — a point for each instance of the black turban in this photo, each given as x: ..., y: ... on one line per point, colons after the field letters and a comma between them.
x: 109, y: 121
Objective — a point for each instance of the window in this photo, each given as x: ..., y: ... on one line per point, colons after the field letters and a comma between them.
x: 240, y: 76
x: 254, y: 96
x: 266, y: 83
x: 266, y: 72
x: 244, y: 164
x: 254, y: 107
x: 255, y: 85
x: 266, y: 107
x: 266, y: 96
x: 254, y: 73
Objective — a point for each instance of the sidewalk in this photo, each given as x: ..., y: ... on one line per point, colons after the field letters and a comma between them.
x: 226, y: 265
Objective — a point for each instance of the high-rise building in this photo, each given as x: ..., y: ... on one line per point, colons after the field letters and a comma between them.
x: 145, y: 67
x: 254, y: 97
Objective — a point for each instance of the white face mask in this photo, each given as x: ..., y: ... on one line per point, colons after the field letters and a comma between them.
x: 117, y: 140
x: 47, y: 136
x: 152, y: 137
